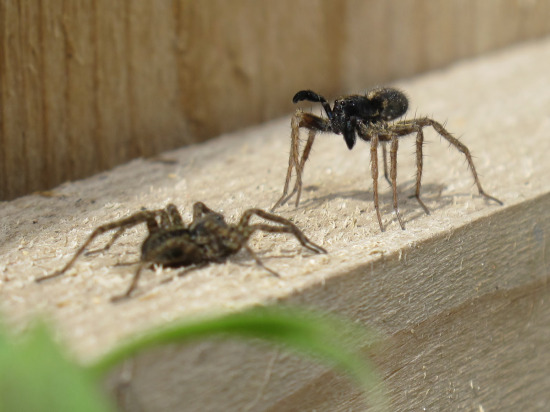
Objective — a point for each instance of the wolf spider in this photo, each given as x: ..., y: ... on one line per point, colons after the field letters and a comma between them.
x: 368, y: 117
x: 208, y: 238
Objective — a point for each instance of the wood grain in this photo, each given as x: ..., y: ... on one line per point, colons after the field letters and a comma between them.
x: 88, y: 85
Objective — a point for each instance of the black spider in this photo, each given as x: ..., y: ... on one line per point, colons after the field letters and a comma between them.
x: 368, y: 117
x: 208, y: 238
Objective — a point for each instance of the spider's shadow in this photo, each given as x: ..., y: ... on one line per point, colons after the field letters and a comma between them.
x: 242, y: 259
x: 409, y: 207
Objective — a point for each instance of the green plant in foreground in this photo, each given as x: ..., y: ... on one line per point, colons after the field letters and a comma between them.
x: 36, y: 376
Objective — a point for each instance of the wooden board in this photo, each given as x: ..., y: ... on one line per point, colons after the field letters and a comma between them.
x: 89, y: 85
x: 461, y: 294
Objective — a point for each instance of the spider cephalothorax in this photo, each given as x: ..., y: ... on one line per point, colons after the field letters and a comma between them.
x: 368, y: 117
x: 378, y: 105
x: 207, y: 239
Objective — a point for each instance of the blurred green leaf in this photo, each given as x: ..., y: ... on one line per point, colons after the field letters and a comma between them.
x: 35, y: 376
x: 325, y: 338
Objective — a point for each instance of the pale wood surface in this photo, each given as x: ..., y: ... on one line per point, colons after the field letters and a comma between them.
x: 89, y: 85
x: 461, y: 294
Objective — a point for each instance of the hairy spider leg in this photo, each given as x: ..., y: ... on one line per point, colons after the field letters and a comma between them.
x: 305, y: 155
x: 393, y: 175
x: 314, y: 124
x: 419, y: 167
x: 185, y: 271
x: 405, y: 127
x: 148, y: 216
x: 169, y: 218
x: 286, y: 227
x: 105, y: 248
x: 299, y: 169
x: 374, y: 134
x: 133, y: 283
x: 247, y: 230
x: 200, y: 210
x: 292, y: 158
x: 385, y: 159
x: 374, y: 175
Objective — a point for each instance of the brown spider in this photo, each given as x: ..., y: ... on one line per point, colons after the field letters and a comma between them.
x: 367, y: 117
x: 208, y: 238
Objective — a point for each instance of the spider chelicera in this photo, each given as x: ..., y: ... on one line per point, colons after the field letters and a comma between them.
x: 367, y: 116
x: 207, y: 239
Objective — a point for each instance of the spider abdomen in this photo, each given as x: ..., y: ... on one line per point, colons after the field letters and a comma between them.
x: 388, y: 102
x: 170, y: 248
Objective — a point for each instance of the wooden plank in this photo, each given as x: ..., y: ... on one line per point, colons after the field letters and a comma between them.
x: 461, y: 294
x: 89, y: 85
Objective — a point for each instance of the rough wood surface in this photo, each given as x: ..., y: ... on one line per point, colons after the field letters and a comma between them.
x: 88, y: 85
x: 462, y: 294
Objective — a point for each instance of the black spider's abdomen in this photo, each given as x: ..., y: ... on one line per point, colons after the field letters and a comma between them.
x: 390, y: 103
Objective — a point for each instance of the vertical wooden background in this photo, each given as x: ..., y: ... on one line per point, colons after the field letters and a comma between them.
x: 86, y: 85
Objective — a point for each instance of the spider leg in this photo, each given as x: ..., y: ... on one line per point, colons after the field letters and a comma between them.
x: 374, y: 173
x: 165, y: 221
x: 200, y: 210
x: 299, y: 169
x: 385, y: 159
x: 148, y: 216
x: 185, y: 271
x: 198, y: 266
x: 174, y: 216
x: 129, y: 263
x: 419, y: 163
x: 152, y: 226
x: 286, y: 227
x: 393, y: 175
x: 460, y: 146
x: 133, y: 284
x: 314, y: 124
x: 292, y: 157
x: 114, y: 238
